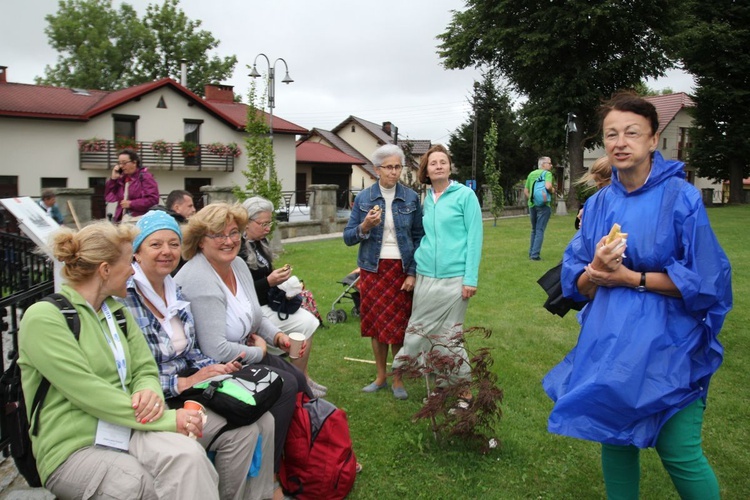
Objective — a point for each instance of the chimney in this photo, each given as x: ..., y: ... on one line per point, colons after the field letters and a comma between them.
x: 183, y: 72
x: 387, y: 128
x: 216, y: 92
x: 3, y: 74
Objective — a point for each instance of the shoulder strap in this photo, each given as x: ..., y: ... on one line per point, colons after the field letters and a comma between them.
x: 74, y: 324
x: 122, y: 321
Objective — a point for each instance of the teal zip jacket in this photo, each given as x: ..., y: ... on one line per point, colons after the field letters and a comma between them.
x: 452, y: 242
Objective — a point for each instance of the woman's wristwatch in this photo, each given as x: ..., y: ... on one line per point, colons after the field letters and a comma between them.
x: 642, y: 286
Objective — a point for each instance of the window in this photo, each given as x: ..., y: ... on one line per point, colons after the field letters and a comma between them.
x: 54, y: 182
x: 193, y: 134
x: 125, y: 126
x: 664, y: 143
x: 162, y: 104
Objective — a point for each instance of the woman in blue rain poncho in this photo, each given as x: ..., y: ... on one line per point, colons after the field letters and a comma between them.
x: 648, y: 345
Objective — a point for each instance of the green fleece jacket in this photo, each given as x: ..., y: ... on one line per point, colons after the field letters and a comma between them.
x: 452, y: 241
x: 85, y: 384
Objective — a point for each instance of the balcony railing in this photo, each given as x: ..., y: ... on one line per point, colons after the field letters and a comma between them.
x: 203, y: 159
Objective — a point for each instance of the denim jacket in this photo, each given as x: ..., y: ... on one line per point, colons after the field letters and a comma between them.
x: 407, y: 217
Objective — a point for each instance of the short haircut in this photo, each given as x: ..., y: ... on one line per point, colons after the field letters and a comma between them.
x: 256, y: 205
x: 422, y: 172
x: 629, y: 101
x: 175, y: 197
x: 542, y: 160
x: 132, y: 155
x: 84, y: 251
x: 48, y: 194
x: 386, y: 151
x: 211, y: 219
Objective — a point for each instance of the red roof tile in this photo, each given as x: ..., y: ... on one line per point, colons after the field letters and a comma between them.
x: 237, y: 112
x: 667, y: 106
x: 59, y: 103
x: 315, y: 152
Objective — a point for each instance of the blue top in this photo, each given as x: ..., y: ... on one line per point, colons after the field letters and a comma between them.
x: 452, y: 243
x: 642, y: 356
x: 407, y: 218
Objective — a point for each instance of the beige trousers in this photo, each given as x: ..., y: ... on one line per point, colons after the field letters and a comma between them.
x: 159, y: 465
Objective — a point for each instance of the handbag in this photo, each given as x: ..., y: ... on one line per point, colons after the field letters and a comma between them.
x: 283, y: 305
x: 241, y: 397
x: 556, y: 303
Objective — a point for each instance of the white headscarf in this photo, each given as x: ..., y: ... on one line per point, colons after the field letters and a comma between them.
x: 171, y: 308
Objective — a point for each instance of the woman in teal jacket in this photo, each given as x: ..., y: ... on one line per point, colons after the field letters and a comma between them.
x: 447, y: 266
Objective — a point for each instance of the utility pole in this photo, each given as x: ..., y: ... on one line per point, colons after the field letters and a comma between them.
x: 476, y: 133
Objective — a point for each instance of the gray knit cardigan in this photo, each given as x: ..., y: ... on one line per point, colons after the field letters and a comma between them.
x: 205, y: 291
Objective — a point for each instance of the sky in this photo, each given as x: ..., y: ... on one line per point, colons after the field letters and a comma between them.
x: 374, y: 60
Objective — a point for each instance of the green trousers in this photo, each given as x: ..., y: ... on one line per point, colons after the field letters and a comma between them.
x: 678, y: 446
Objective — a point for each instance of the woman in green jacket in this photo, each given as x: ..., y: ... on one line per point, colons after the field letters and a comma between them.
x: 103, y: 427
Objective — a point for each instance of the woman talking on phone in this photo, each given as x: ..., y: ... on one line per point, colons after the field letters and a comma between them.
x: 131, y: 186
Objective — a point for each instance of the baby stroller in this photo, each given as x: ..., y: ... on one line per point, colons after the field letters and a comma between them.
x: 350, y: 292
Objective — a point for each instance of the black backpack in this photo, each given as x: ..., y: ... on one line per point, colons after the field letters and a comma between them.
x: 14, y: 404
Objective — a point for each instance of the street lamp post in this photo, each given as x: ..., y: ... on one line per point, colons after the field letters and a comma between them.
x: 271, y: 84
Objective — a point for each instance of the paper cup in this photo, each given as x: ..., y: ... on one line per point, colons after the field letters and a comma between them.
x: 195, y: 405
x: 296, y: 340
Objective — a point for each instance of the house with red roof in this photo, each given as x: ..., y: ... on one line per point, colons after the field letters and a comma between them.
x: 66, y: 137
x: 330, y: 161
x: 675, y: 123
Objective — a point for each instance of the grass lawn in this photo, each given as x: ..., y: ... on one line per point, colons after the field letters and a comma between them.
x: 402, y: 460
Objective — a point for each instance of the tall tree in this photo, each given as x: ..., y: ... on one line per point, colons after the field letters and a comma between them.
x: 95, y: 44
x: 493, y: 105
x: 172, y: 37
x: 106, y: 48
x: 565, y: 55
x: 712, y: 42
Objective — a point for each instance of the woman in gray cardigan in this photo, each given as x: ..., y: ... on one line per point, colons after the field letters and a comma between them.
x: 228, y: 319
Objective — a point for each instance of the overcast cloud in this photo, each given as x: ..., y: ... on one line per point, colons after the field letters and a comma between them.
x: 374, y: 60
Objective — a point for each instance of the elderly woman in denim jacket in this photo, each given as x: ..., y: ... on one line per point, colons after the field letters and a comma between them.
x: 386, y: 221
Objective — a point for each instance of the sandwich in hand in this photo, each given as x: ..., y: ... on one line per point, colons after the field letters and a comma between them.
x: 615, y: 233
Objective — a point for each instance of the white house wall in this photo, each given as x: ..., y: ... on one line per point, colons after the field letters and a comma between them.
x: 36, y: 148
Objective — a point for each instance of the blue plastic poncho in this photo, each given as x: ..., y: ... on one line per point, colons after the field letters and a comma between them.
x: 642, y: 356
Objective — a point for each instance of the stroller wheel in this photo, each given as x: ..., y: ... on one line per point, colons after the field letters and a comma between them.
x: 341, y: 315
x: 355, y: 312
x: 332, y: 317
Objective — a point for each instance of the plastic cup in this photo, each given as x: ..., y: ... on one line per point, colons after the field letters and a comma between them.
x: 295, y: 344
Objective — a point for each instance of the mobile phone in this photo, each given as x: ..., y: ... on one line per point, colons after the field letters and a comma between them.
x: 238, y: 359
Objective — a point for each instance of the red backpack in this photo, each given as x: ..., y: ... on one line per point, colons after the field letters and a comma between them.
x: 318, y: 458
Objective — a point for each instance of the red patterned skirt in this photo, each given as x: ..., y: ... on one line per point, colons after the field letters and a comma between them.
x: 385, y: 308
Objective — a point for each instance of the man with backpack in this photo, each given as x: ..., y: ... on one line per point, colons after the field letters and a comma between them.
x: 539, y: 190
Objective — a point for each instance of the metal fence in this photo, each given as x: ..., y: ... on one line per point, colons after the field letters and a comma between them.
x: 26, y: 277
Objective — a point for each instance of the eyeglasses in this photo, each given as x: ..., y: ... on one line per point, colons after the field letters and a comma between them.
x: 391, y: 168
x: 264, y: 225
x: 123, y: 163
x: 234, y: 236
